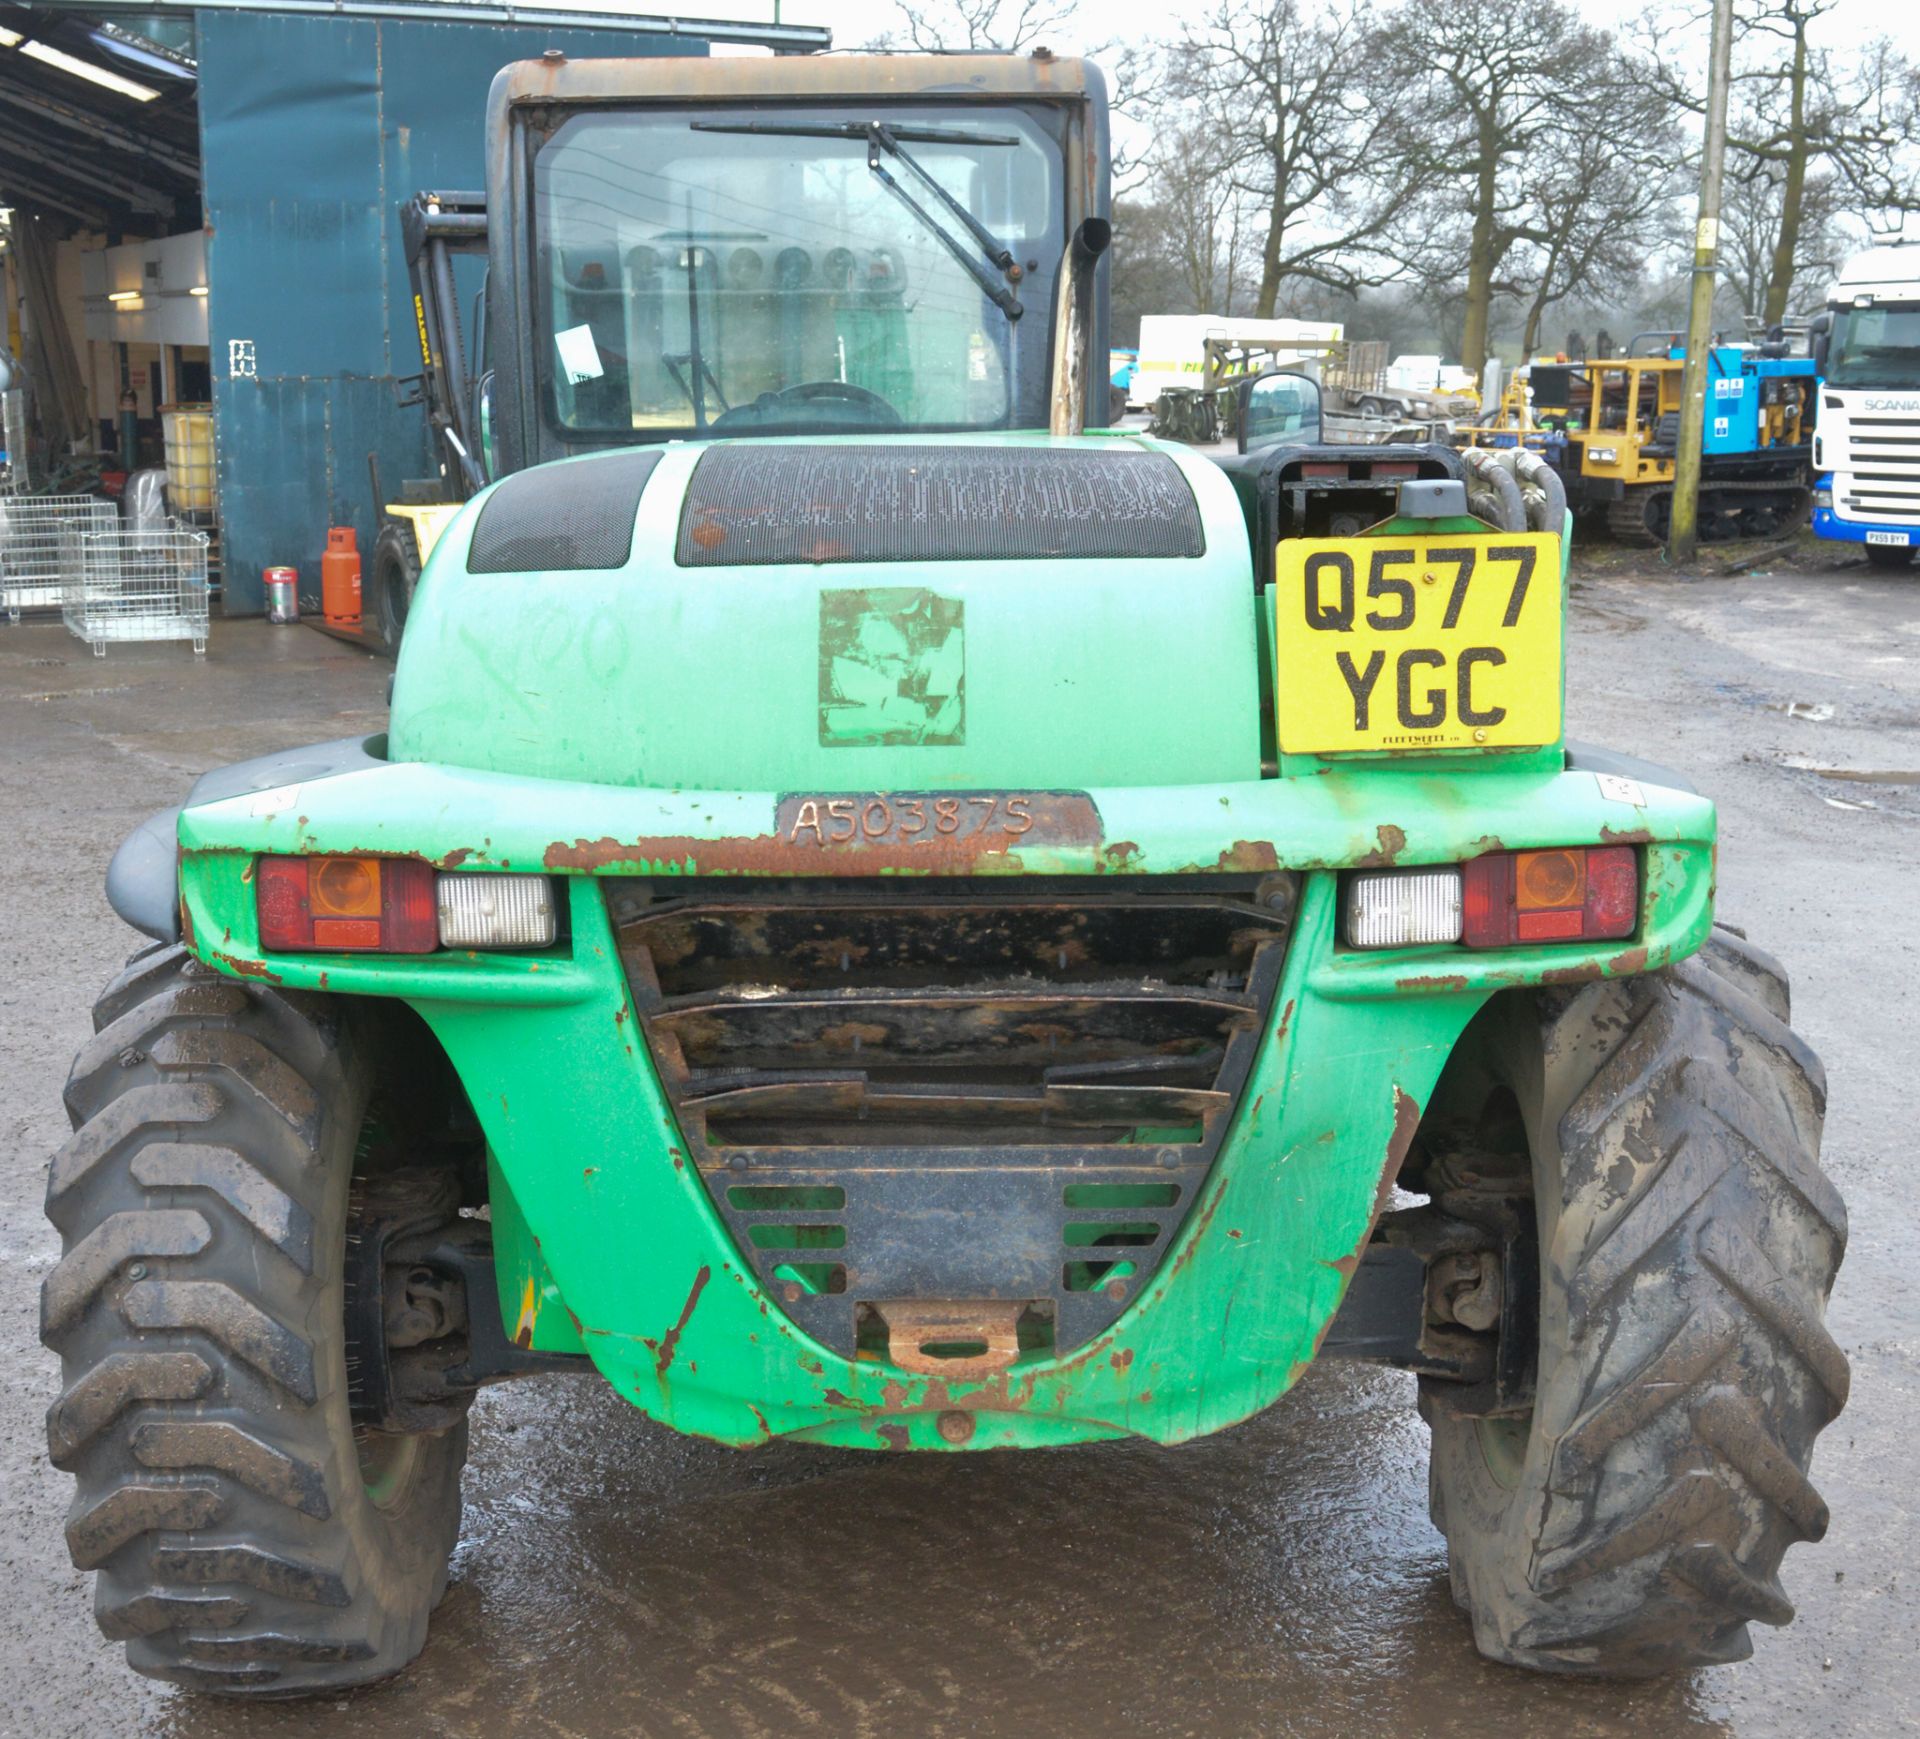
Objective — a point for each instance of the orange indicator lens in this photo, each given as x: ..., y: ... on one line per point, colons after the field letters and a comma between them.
x: 1547, y: 881
x: 344, y: 887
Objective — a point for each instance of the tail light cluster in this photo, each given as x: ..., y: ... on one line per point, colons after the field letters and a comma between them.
x: 396, y: 905
x: 1502, y: 900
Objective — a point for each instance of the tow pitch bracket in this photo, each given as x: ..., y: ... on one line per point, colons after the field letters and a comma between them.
x: 424, y: 1328
x: 1453, y: 1300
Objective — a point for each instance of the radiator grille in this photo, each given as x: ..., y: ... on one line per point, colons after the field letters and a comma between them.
x: 984, y: 1102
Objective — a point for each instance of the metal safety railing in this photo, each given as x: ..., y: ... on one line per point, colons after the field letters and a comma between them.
x: 122, y: 585
x: 31, y: 527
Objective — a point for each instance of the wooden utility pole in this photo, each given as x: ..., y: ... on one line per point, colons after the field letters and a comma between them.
x: 1683, y: 538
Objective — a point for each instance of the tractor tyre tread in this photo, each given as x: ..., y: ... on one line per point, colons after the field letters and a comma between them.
x: 206, y: 1418
x: 1686, y: 1369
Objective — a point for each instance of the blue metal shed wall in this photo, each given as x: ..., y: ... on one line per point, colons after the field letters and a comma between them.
x: 312, y: 130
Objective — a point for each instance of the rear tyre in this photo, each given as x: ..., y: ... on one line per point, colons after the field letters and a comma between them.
x: 396, y: 572
x: 245, y: 1536
x: 1635, y: 1521
x: 1880, y: 555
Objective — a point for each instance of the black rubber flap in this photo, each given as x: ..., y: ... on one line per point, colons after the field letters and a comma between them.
x: 561, y: 517
x: 752, y: 506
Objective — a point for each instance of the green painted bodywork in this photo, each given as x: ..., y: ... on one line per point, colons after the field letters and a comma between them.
x: 710, y: 678
x: 649, y: 721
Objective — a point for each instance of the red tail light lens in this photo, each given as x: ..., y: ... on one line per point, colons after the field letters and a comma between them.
x: 1571, y: 894
x: 349, y: 905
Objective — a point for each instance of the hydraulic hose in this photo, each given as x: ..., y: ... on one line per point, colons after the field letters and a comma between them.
x: 1531, y: 469
x: 1484, y: 468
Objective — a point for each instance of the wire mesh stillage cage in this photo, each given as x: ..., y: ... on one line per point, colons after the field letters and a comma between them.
x: 109, y: 581
x: 122, y: 584
x: 31, y: 528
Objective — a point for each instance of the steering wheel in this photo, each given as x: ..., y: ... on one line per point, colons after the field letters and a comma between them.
x: 839, y: 400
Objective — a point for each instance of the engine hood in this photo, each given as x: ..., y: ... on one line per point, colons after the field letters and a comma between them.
x: 843, y: 615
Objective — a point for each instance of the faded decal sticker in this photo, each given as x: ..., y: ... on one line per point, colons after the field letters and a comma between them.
x: 892, y: 668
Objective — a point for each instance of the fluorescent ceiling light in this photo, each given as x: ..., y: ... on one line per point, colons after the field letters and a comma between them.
x: 10, y: 38
x: 198, y: 290
x: 93, y: 74
x: 123, y: 295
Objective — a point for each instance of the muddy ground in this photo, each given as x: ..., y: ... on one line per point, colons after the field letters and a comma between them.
x: 1280, y: 1579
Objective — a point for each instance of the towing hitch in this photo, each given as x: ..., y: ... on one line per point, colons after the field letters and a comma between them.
x: 424, y: 1329
x: 1453, y: 1299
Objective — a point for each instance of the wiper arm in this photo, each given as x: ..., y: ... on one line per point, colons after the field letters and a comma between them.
x: 1008, y: 301
x: 881, y: 137
x: 853, y: 130
x: 878, y: 133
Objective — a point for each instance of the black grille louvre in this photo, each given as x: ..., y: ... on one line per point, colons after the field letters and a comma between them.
x: 755, y: 506
x: 1001, y: 1093
x: 562, y: 518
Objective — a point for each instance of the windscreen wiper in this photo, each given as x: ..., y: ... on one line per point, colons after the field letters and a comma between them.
x: 881, y: 137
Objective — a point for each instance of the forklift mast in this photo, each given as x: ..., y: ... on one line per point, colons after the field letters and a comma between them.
x: 433, y: 228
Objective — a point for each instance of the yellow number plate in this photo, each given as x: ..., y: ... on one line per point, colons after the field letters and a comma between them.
x: 1410, y: 644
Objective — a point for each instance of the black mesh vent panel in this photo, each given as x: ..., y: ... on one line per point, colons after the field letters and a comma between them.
x: 753, y: 506
x: 562, y: 517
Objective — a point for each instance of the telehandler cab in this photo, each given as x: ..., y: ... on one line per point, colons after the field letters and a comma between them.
x: 887, y: 917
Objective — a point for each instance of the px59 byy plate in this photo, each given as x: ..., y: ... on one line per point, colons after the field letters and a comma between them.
x: 1417, y: 644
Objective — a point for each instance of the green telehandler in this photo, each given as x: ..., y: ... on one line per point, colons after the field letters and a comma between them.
x: 890, y: 915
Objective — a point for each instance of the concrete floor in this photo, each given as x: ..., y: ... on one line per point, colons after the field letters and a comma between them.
x: 1281, y: 1578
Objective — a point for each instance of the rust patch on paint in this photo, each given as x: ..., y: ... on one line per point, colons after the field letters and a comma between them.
x: 1392, y: 842
x: 671, y: 1340
x: 241, y: 967
x: 863, y: 832
x: 895, y: 1436
x: 1406, y: 1124
x: 1249, y: 857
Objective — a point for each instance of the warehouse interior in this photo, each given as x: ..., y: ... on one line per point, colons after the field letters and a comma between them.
x: 201, y: 264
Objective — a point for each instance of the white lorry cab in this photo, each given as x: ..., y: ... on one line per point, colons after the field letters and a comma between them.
x: 1866, y: 444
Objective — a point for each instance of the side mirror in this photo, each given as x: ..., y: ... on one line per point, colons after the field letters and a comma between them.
x: 1819, y: 332
x: 1278, y: 407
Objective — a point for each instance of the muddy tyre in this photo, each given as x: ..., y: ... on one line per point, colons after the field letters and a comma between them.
x: 244, y: 1536
x: 1635, y: 1522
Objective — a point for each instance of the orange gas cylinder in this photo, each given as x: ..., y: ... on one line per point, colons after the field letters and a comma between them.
x: 340, y: 578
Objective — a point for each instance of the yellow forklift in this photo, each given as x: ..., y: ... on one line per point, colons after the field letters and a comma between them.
x: 434, y: 227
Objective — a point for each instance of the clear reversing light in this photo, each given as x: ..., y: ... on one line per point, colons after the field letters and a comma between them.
x: 1402, y: 908
x: 496, y: 911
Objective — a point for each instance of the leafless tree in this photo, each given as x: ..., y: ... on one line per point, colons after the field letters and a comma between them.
x: 1296, y: 106
x: 1600, y: 202
x: 1500, y: 86
x: 976, y: 26
x: 1751, y: 220
x: 1807, y: 116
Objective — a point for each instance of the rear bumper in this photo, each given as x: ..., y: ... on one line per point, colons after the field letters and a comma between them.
x: 608, y: 1241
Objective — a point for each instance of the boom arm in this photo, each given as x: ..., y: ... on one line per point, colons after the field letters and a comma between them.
x: 434, y: 227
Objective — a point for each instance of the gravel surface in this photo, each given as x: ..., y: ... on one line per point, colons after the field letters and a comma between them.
x: 1281, y: 1578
